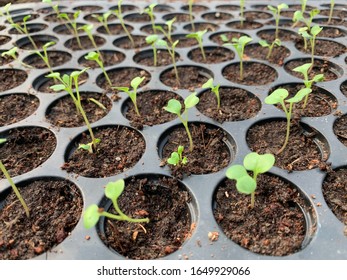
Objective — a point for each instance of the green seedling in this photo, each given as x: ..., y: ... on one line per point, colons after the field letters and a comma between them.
x: 304, y: 70
x: 135, y: 83
x: 254, y: 162
x: 167, y: 33
x: 191, y: 17
x: 44, y: 55
x: 150, y: 12
x: 314, y: 31
x: 198, y: 37
x: 171, y: 50
x: 119, y: 15
x: 303, y: 32
x: 54, y: 7
x: 303, y: 5
x: 277, y: 13
x: 73, y: 24
x: 113, y: 191
x: 88, y: 29
x: 175, y: 107
x: 278, y: 97
x: 265, y: 44
x: 103, y: 19
x: 94, y: 56
x: 14, y: 187
x: 299, y: 17
x: 67, y: 83
x: 242, y: 8
x: 152, y: 40
x: 13, y: 53
x: 214, y: 89
x: 177, y: 158
x: 239, y: 45
x: 332, y: 4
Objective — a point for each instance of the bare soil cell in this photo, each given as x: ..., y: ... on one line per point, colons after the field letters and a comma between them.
x: 108, y: 58
x: 125, y: 43
x: 217, y: 16
x: 55, y: 58
x: 146, y: 58
x: 184, y: 42
x: 5, y: 59
x: 86, y: 43
x: 245, y: 25
x: 324, y: 48
x: 283, y: 35
x: 137, y: 17
x: 39, y: 40
x: 115, y: 29
x: 213, y: 55
x: 201, y: 26
x: 332, y: 32
x: 55, y: 208
x: 180, y: 17
x: 278, y: 54
x: 256, y: 15
x: 11, y: 78
x: 217, y: 39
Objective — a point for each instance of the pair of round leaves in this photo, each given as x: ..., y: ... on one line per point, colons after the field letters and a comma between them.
x: 252, y: 162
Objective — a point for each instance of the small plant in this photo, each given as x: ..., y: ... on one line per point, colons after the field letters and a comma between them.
x: 332, y: 4
x: 88, y: 28
x: 314, y: 31
x: 132, y: 93
x: 304, y: 70
x: 171, y: 50
x: 13, y: 53
x: 175, y: 107
x: 44, y: 55
x: 94, y: 56
x: 67, y: 82
x: 152, y: 40
x: 113, y: 191
x: 239, y: 45
x: 150, y: 12
x: 14, y: 187
x: 265, y: 44
x: 119, y: 15
x: 278, y: 97
x: 167, y: 33
x: 242, y: 8
x: 198, y: 37
x: 191, y: 17
x: 254, y: 162
x: 299, y: 17
x: 73, y: 24
x: 103, y: 20
x: 177, y: 158
x: 214, y: 89
x: 277, y: 12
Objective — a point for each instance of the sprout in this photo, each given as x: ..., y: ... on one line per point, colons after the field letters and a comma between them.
x: 13, y: 53
x: 167, y: 33
x: 214, y: 89
x: 277, y: 12
x: 171, y: 50
x: 191, y: 17
x: 279, y: 96
x: 265, y: 44
x: 72, y: 23
x: 239, y: 45
x: 88, y: 28
x: 198, y: 36
x: 151, y: 40
x: 314, y: 31
x: 132, y: 94
x: 94, y: 56
x: 119, y: 15
x: 177, y: 158
x: 254, y: 162
x: 175, y: 107
x: 113, y: 191
x: 44, y: 55
x: 103, y: 20
x: 150, y: 12
x: 299, y: 16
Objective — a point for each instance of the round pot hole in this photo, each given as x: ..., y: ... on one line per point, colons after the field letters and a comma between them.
x: 324, y: 48
x: 109, y: 58
x: 55, y: 58
x: 114, y: 29
x: 31, y: 28
x: 283, y: 34
x: 216, y: 37
x: 126, y: 43
x: 212, y: 55
x: 245, y: 25
x: 11, y: 78
x: 201, y: 26
x: 36, y: 42
x: 85, y: 42
x: 339, y: 129
x: 278, y: 53
x: 147, y: 58
x: 217, y: 16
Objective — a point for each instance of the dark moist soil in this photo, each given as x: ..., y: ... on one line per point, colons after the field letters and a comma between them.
x: 92, y: 18
x: 120, y: 149
x: 5, y: 59
x: 163, y: 58
x: 335, y: 193
x: 11, y: 78
x: 217, y: 16
x: 125, y: 43
x: 301, y: 152
x: 180, y: 17
x: 290, y: 14
x: 213, y: 55
x: 108, y: 57
x: 164, y: 202
x: 340, y: 129
x: 88, y: 9
x: 343, y: 88
x: 26, y: 148
x: 287, y: 23
x: 276, y: 225
x: 336, y: 13
x: 149, y: 29
x: 115, y: 29
x: 66, y: 29
x: 236, y: 105
x: 54, y: 17
x: 195, y: 8
x: 320, y: 67
x: 4, y: 39
x: 256, y: 15
x: 228, y: 7
x: 324, y: 48
x: 332, y: 32
x: 16, y: 107
x: 254, y: 73
x: 210, y: 153
x: 283, y: 35
x: 230, y: 34
x: 184, y: 42
x: 137, y: 17
x: 278, y: 54
x: 320, y: 102
x: 63, y: 112
x: 151, y: 107
x: 201, y: 26
x: 190, y: 77
x: 246, y: 25
x: 55, y: 58
x: 55, y: 209
x: 334, y: 21
x: 39, y: 40
x: 86, y: 43
x: 32, y: 28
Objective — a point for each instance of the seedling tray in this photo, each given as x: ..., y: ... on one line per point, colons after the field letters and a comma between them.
x: 325, y: 233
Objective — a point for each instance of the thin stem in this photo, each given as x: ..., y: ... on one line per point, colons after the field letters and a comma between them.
x: 288, y: 114
x: 241, y: 69
x: 185, y: 124
x: 252, y: 199
x: 202, y: 51
x: 191, y: 15
x: 154, y: 55
x: 124, y: 218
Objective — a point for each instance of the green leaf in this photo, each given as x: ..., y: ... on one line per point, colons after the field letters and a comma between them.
x: 162, y: 43
x: 318, y: 78
x: 272, y: 9
x: 299, y: 95
x: 174, y: 106
x: 224, y: 38
x: 54, y: 75
x: 2, y: 140
x: 282, y: 6
x: 315, y: 30
x: 277, y: 96
x: 208, y: 84
x: 47, y: 45
x: 180, y: 149
x: 246, y: 185
x: 258, y: 163
x: 191, y: 101
x: 298, y: 16
x: 303, y: 69
x: 123, y: 89
x: 184, y: 161
x: 244, y: 40
x: 91, y: 216
x: 136, y: 82
x: 264, y: 43
x: 114, y: 189
x: 236, y: 171
x: 59, y: 87
x: 150, y: 39
x: 92, y: 56
x: 173, y: 159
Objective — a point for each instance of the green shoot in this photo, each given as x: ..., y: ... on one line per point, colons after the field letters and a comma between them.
x: 54, y: 7
x: 277, y: 12
x: 299, y: 16
x: 332, y: 4
x: 73, y: 24
x: 303, y: 5
x: 265, y: 44
x: 254, y: 162
x: 135, y: 83
x: 44, y: 55
x: 88, y: 28
x: 151, y: 40
x: 239, y: 45
x: 167, y: 33
x: 94, y: 56
x: 14, y: 188
x: 119, y: 15
x: 150, y: 12
x: 177, y: 158
x: 175, y: 107
x: 198, y: 37
x: 113, y: 191
x: 214, y: 89
x: 13, y: 53
x: 304, y: 70
x: 279, y: 96
x: 67, y: 82
x: 191, y: 17
x: 171, y: 50
x: 303, y: 32
x: 103, y: 20
x: 314, y: 31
